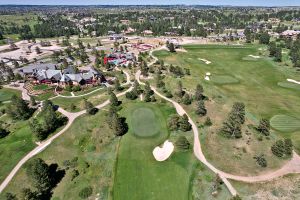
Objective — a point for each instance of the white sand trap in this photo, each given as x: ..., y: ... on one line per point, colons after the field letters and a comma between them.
x: 254, y: 56
x: 207, y: 78
x: 204, y: 60
x: 293, y: 81
x: 164, y: 152
x: 208, y: 73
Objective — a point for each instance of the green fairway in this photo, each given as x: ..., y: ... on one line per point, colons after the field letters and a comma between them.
x: 142, y: 129
x: 289, y: 85
x: 138, y: 175
x: 223, y: 79
x: 6, y: 94
x: 285, y: 123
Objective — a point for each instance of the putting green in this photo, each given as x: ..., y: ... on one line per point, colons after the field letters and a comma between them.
x: 223, y: 79
x: 289, y: 85
x: 144, y: 122
x: 285, y: 123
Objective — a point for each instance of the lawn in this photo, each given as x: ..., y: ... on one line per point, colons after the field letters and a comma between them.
x: 138, y: 174
x: 254, y: 82
x: 6, y: 94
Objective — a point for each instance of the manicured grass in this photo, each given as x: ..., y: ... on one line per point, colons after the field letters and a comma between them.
x: 223, y: 79
x: 284, y: 123
x: 289, y: 85
x: 144, y: 122
x: 138, y: 174
x: 92, y: 142
x: 6, y: 94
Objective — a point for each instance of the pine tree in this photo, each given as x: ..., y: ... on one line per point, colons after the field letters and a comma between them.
x: 182, y: 143
x: 200, y: 109
x: 199, y: 92
x: 113, y: 98
x: 184, y: 124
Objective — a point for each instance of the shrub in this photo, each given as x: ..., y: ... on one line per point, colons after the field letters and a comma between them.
x: 182, y: 143
x: 261, y: 160
x: 86, y: 192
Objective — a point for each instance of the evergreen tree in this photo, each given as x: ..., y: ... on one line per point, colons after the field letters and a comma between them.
x: 200, y: 109
x: 18, y: 109
x: 264, y: 127
x: 199, y: 92
x: 113, y: 98
x: 90, y: 108
x: 184, y: 124
x: 186, y: 100
x: 39, y: 172
x: 179, y: 91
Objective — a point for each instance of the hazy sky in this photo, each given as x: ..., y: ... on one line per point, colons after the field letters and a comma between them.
x: 143, y: 2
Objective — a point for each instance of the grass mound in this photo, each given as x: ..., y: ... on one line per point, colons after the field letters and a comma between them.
x: 285, y: 123
x: 144, y: 122
x: 223, y: 79
x: 289, y: 85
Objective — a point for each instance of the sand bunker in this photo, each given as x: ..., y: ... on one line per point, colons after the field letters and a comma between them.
x: 293, y: 81
x: 252, y: 56
x: 164, y: 152
x: 207, y: 76
x: 204, y: 60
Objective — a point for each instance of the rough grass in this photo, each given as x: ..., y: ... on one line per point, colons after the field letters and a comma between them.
x: 289, y: 85
x: 285, y: 123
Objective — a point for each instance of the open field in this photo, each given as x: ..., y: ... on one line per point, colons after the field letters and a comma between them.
x: 256, y: 86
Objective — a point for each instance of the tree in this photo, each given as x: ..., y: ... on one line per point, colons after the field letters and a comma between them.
x: 200, y: 109
x: 184, y: 124
x: 278, y: 55
x: 10, y: 196
x: 186, y: 99
x: 261, y: 160
x: 282, y: 148
x: 118, y: 125
x: 236, y: 197
x: 27, y: 194
x: 173, y: 122
x: 288, y: 147
x: 18, y: 109
x: 208, y: 121
x: 272, y: 49
x: 171, y: 47
x: 199, y: 92
x: 38, y: 50
x: 37, y: 129
x: 182, y: 143
x: 179, y: 91
x: 3, y: 132
x: 90, y: 108
x: 113, y: 98
x: 118, y: 86
x: 39, y: 172
x: 264, y: 38
x: 86, y: 192
x: 264, y: 127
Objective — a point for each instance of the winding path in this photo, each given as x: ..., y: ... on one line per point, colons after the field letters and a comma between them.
x: 44, y: 144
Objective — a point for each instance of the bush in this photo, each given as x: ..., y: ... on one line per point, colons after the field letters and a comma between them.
x: 86, y: 192
x: 182, y: 143
x: 76, y: 88
x: 282, y: 148
x: 261, y: 160
x: 208, y: 122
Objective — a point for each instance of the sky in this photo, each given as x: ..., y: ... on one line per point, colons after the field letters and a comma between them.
x: 156, y: 2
